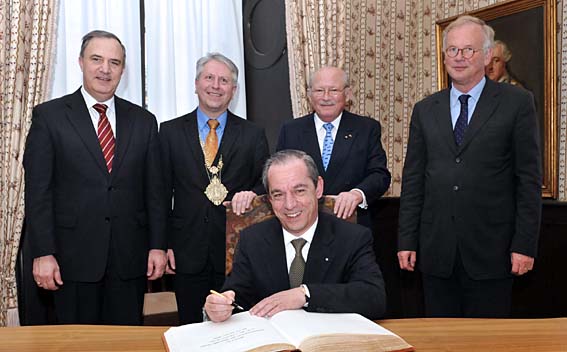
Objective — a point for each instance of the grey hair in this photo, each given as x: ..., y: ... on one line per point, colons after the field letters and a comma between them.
x: 101, y: 34
x: 506, y: 53
x: 313, y: 74
x: 220, y: 58
x: 285, y: 156
x: 486, y: 30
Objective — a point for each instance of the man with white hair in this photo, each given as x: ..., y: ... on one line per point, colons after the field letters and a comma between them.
x: 470, y: 206
x: 209, y: 156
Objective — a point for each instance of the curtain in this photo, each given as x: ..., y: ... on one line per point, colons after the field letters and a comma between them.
x: 77, y: 18
x: 26, y: 33
x: 178, y: 33
x: 316, y: 36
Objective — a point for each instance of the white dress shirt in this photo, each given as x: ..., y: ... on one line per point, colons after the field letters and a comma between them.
x: 290, y: 250
x: 95, y: 116
x: 321, y: 131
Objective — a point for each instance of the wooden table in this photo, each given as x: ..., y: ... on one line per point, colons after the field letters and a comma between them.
x: 493, y: 335
x: 424, y: 334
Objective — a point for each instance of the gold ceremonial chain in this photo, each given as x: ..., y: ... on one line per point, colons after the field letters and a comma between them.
x: 215, y: 191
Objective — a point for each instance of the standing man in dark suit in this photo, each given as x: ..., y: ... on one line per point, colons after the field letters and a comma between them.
x: 471, y: 191
x: 270, y: 273
x: 346, y: 147
x: 209, y: 156
x: 94, y: 197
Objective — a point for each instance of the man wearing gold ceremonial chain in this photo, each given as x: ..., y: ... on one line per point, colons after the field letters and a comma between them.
x: 209, y: 156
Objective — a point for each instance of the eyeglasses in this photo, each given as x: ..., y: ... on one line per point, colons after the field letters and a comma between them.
x: 334, y: 92
x: 453, y: 51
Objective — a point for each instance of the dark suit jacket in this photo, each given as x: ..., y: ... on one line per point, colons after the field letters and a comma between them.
x: 196, y: 227
x: 357, y: 161
x: 482, y: 198
x: 341, y: 270
x: 75, y: 209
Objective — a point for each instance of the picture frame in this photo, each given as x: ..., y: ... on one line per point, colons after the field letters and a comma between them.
x: 528, y: 27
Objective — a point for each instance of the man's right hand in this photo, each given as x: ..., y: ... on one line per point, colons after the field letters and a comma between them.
x: 407, y: 260
x: 46, y: 273
x: 218, y: 308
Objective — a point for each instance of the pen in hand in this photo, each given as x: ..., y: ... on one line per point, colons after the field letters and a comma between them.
x: 234, y: 304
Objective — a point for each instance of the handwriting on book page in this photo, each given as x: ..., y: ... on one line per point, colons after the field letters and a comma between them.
x: 231, y: 336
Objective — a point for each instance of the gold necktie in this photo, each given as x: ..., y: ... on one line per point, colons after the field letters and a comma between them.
x: 211, y: 142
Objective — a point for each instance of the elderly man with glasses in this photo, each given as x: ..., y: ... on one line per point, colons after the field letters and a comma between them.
x: 470, y: 205
x: 346, y: 147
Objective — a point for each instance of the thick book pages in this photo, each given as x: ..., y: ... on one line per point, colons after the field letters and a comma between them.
x: 287, y: 330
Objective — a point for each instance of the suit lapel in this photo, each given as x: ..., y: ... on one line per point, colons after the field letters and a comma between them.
x: 487, y: 103
x: 229, y: 137
x: 193, y: 140
x: 275, y: 253
x: 346, y: 137
x: 124, y: 129
x: 320, y: 252
x: 78, y: 115
x: 443, y: 119
x: 311, y: 143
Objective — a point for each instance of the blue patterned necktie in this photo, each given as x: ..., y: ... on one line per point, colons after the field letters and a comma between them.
x: 463, y: 120
x: 327, y: 145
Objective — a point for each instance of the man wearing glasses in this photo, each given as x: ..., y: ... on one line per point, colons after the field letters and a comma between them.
x: 346, y: 147
x: 470, y: 205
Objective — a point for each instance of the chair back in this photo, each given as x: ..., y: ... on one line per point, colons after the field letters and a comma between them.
x: 261, y: 210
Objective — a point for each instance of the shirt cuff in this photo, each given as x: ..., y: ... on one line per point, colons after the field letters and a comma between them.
x: 307, y: 294
x: 362, y: 205
x: 205, y: 315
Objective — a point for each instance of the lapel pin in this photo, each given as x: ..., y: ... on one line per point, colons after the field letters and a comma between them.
x: 326, y: 259
x: 347, y: 136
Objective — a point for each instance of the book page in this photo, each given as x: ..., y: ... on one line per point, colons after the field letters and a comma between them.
x: 355, y: 342
x: 297, y: 325
x: 241, y: 332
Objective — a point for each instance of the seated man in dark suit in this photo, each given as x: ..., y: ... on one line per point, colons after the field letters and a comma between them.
x: 345, y: 147
x: 270, y: 273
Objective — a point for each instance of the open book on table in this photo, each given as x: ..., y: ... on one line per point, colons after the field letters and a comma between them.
x: 287, y: 330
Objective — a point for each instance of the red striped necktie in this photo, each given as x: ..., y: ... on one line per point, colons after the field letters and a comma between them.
x: 105, y: 136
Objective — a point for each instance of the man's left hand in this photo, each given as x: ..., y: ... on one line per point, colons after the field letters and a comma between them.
x: 346, y: 203
x: 241, y: 202
x: 285, y: 300
x: 521, y: 264
x: 157, y: 260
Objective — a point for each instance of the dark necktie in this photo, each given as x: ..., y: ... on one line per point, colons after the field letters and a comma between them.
x: 211, y: 142
x: 327, y: 145
x: 297, y: 265
x: 105, y: 136
x: 463, y: 120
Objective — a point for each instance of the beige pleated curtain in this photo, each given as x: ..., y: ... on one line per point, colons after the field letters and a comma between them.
x: 26, y: 33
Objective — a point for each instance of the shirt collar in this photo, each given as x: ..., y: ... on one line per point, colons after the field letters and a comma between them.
x: 307, y: 235
x: 319, y: 123
x: 474, y: 92
x: 90, y: 101
x: 202, y: 119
